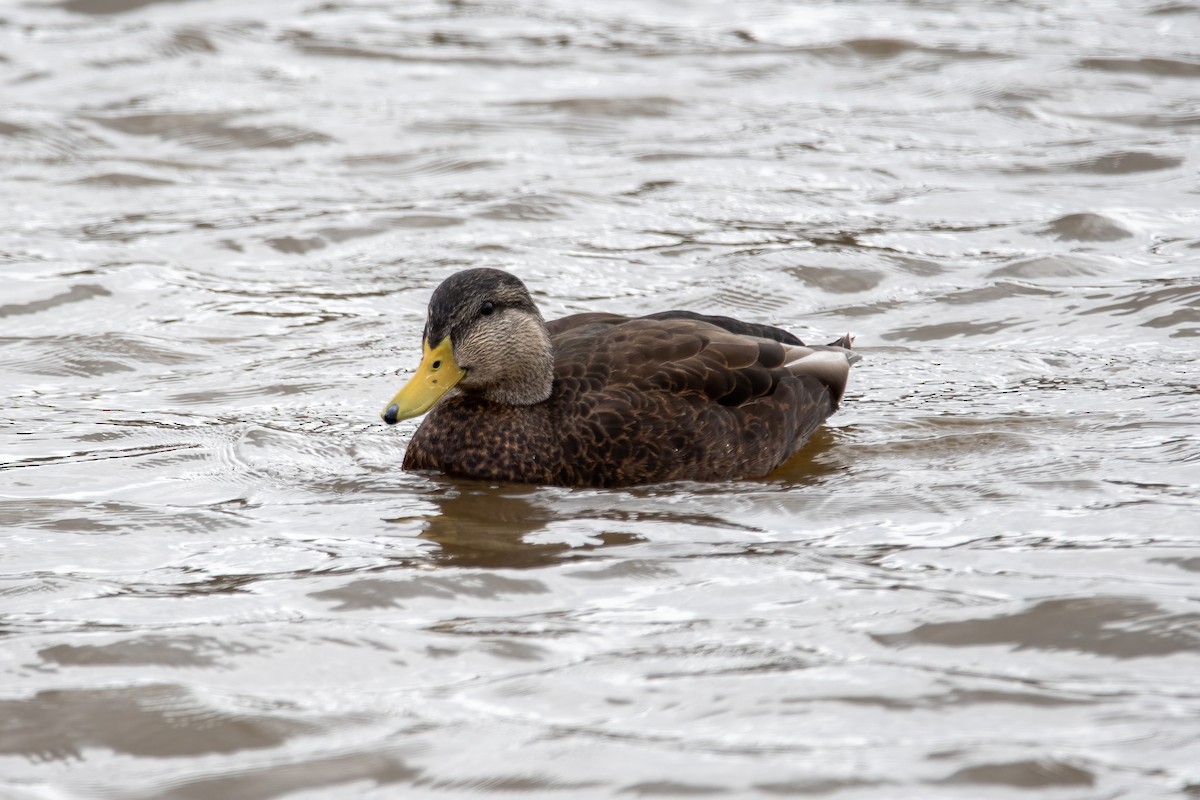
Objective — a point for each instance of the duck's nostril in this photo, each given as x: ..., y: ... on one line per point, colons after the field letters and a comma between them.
x: 391, y: 413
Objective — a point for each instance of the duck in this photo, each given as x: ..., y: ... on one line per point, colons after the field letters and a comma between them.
x: 599, y: 399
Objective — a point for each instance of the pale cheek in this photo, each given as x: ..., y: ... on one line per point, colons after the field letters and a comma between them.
x: 493, y: 355
x: 479, y: 364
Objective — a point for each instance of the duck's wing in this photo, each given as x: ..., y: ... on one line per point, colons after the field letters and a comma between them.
x: 597, y: 321
x: 689, y: 355
x: 593, y: 321
x: 732, y: 325
x: 652, y: 400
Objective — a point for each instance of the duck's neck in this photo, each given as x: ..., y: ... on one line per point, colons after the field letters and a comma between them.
x: 529, y: 374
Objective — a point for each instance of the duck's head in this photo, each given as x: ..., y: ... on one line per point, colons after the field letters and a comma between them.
x: 483, y: 335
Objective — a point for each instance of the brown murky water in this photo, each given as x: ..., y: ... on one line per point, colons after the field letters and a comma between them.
x: 222, y: 221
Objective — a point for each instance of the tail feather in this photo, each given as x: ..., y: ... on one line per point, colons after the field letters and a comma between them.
x: 847, y: 343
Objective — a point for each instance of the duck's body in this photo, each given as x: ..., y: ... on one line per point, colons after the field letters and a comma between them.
x: 672, y: 396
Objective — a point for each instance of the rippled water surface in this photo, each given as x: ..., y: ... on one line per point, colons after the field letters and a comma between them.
x: 222, y: 221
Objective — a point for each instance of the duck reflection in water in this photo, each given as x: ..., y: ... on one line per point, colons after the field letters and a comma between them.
x: 489, y: 526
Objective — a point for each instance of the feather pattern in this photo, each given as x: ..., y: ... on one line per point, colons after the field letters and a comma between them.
x: 670, y: 396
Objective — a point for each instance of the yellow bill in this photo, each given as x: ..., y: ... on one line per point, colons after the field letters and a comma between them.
x: 436, y: 375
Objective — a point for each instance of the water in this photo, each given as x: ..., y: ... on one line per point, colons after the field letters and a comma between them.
x: 223, y: 221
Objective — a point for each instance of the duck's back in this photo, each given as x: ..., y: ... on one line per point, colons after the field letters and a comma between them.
x: 676, y: 396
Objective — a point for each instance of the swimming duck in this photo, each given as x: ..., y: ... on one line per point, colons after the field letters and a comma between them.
x: 600, y: 399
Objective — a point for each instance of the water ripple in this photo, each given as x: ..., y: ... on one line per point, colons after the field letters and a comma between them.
x: 224, y: 223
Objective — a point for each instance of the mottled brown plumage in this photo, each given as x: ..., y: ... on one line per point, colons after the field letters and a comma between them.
x: 671, y: 396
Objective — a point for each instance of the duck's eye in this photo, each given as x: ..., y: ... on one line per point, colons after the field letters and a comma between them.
x: 487, y: 308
